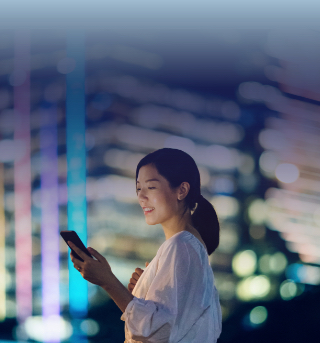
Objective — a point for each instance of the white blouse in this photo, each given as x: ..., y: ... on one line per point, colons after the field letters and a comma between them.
x: 175, y: 299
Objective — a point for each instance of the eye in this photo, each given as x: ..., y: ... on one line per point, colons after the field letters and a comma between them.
x: 138, y: 189
x: 152, y: 187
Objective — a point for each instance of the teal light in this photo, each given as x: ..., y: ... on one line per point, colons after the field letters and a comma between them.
x: 76, y: 159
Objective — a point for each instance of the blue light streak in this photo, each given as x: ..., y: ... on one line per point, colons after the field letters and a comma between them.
x: 76, y: 161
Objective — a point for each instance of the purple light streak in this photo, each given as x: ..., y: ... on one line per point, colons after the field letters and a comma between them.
x: 50, y: 217
x: 22, y: 175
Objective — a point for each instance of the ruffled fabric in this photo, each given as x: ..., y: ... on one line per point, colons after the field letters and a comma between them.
x: 148, y: 321
x: 175, y: 299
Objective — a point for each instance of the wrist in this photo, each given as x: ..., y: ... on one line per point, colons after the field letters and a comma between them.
x: 110, y: 282
x: 118, y: 292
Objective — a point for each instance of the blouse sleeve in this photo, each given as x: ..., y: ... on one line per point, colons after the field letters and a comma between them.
x: 152, y: 319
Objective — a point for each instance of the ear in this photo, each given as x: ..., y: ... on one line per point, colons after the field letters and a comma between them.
x: 183, y: 190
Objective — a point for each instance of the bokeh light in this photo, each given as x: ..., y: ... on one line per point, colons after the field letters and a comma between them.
x: 278, y: 263
x: 258, y: 315
x: 303, y: 273
x: 253, y: 288
x: 50, y: 329
x: 287, y: 172
x: 288, y: 290
x: 90, y: 327
x: 268, y: 163
x: 257, y: 211
x: 244, y: 263
x: 273, y: 263
x: 226, y: 206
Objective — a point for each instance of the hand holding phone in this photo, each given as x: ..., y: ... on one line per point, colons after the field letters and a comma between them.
x: 72, y: 236
x: 95, y: 269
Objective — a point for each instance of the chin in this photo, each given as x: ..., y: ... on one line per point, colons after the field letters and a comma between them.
x: 149, y: 221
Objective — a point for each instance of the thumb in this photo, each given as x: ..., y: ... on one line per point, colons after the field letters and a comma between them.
x: 95, y: 254
x: 147, y: 263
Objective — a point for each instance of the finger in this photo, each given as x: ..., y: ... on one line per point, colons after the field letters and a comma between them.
x: 130, y: 287
x: 72, y: 256
x: 84, y: 256
x: 77, y: 266
x: 135, y: 276
x: 74, y: 259
x: 147, y: 263
x: 133, y: 281
x: 138, y: 271
x: 97, y: 255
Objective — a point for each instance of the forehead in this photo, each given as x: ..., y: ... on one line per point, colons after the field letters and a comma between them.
x: 148, y: 172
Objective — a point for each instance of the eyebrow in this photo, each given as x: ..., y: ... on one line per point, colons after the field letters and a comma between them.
x: 150, y: 180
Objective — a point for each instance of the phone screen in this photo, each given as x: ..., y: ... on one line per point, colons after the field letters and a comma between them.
x: 74, y: 238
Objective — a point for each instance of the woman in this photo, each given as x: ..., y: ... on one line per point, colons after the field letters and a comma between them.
x: 174, y: 299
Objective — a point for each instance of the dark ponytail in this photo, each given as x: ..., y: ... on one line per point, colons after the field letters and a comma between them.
x: 205, y: 220
x: 177, y: 167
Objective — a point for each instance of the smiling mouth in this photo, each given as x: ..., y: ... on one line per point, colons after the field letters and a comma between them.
x: 148, y: 209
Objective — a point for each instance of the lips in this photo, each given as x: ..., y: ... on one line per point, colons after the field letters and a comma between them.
x: 148, y: 209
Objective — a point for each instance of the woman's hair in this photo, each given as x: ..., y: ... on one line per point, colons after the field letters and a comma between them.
x: 177, y: 167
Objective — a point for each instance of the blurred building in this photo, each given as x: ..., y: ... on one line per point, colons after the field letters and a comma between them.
x: 255, y: 144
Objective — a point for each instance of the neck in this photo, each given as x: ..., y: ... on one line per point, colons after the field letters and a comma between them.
x: 181, y: 222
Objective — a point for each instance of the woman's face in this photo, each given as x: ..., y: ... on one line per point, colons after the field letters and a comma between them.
x: 157, y: 199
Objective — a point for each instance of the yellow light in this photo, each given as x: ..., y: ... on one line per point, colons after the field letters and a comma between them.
x: 253, y: 287
x: 264, y: 263
x: 258, y: 211
x: 225, y: 206
x: 287, y: 172
x: 244, y: 263
x: 268, y: 163
x: 278, y: 262
x: 260, y: 286
x: 243, y: 289
x: 275, y: 263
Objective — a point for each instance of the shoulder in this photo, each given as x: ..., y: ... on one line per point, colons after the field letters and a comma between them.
x: 175, y: 250
x: 183, y: 244
x: 181, y: 241
x: 179, y: 238
x: 185, y: 240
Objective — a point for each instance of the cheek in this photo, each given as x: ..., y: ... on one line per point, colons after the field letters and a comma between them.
x: 165, y: 203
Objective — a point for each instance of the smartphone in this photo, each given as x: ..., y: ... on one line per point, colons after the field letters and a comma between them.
x: 73, y: 237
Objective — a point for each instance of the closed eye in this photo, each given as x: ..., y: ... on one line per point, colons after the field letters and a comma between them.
x: 139, y: 189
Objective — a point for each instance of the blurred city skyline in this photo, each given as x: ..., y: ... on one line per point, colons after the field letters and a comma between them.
x: 244, y: 103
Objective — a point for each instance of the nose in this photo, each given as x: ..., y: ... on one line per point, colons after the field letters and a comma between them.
x: 142, y: 195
